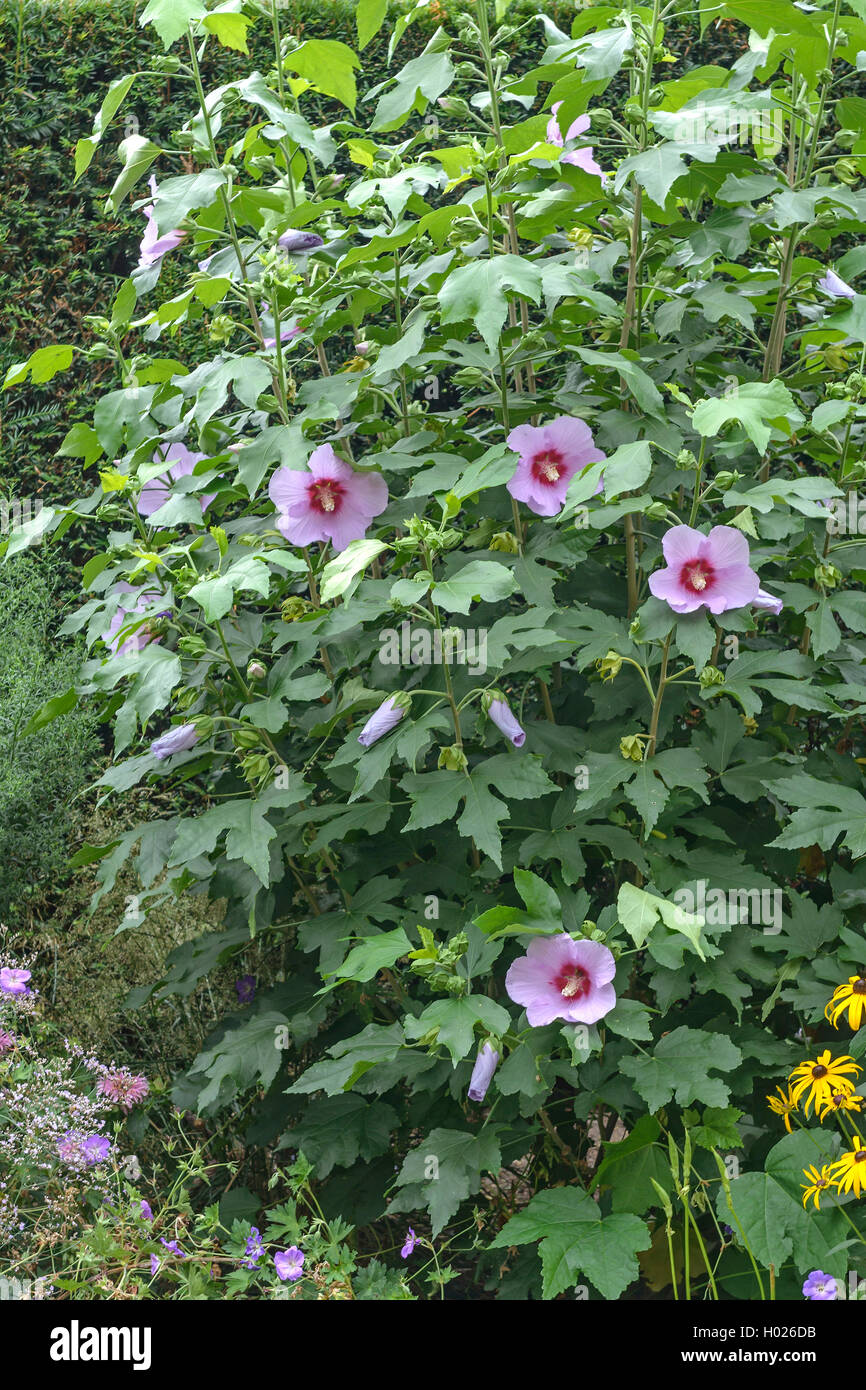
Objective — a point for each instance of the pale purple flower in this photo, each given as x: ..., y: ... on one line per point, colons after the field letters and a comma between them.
x: 69, y: 1147
x: 289, y: 1263
x: 146, y: 1213
x: 154, y: 1264
x: 384, y: 719
x: 7, y: 1042
x: 173, y: 1246
x: 820, y: 1287
x: 706, y: 571
x: 500, y: 714
x: 285, y: 335
x: 835, y: 286
x: 550, y: 456
x: 177, y: 740
x: 124, y: 614
x: 14, y: 981
x: 122, y: 1087
x: 563, y: 978
x: 409, y: 1244
x: 581, y: 158
x: 254, y: 1250
x: 246, y: 989
x: 764, y: 600
x: 95, y: 1149
x: 327, y: 501
x: 153, y: 246
x: 157, y: 491
x: 295, y: 240
x: 482, y: 1073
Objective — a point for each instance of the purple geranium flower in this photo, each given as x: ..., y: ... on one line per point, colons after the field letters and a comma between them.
x: 95, y: 1149
x: 157, y: 491
x: 255, y: 1249
x: 482, y: 1073
x: 384, y: 719
x: 173, y: 1246
x: 562, y: 978
x: 327, y: 501
x: 7, y: 1042
x: 835, y: 286
x: 14, y: 981
x: 500, y: 714
x: 550, y: 456
x: 581, y: 158
x: 177, y: 740
x: 294, y: 240
x: 708, y: 571
x: 409, y: 1244
x: 153, y: 246
x: 246, y: 989
x: 146, y: 1213
x: 289, y: 1263
x: 154, y: 1264
x: 820, y: 1287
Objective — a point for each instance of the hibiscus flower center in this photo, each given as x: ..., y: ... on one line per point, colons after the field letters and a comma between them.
x: 547, y: 467
x: 325, y: 494
x: 697, y: 575
x: 573, y: 983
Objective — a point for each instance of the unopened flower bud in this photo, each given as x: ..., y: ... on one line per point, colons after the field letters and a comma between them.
x: 204, y: 725
x: 726, y: 479
x: 506, y: 541
x: 191, y: 645
x: 294, y: 607
x: 256, y: 671
x: 610, y: 666
x: 452, y: 759
x: 656, y: 511
x: 828, y: 576
x: 631, y: 746
x: 750, y: 725
x: 710, y: 676
x: 686, y: 460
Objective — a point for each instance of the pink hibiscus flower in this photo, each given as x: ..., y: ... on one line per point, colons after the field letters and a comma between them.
x: 550, y: 455
x: 153, y: 246
x: 142, y: 636
x: 328, y: 501
x: 562, y: 978
x: 582, y: 158
x: 157, y: 492
x: 708, y: 571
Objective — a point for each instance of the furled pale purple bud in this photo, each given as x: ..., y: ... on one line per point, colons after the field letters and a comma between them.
x: 177, y: 740
x: 764, y: 600
x: 482, y: 1073
x: 497, y: 710
x: 256, y: 671
x: 835, y: 286
x: 385, y: 718
x: 295, y: 240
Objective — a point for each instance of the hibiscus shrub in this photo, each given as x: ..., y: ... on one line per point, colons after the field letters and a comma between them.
x: 491, y: 601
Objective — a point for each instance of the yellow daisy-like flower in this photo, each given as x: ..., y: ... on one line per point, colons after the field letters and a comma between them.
x: 818, y: 1182
x: 819, y: 1079
x: 840, y: 1100
x: 850, y: 996
x: 785, y: 1105
x: 849, y: 1172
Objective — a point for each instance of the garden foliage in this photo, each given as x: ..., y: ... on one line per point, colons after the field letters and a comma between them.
x: 389, y: 586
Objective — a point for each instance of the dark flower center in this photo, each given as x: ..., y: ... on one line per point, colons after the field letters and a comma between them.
x: 547, y: 467
x: 818, y: 1072
x: 859, y: 986
x: 860, y: 1156
x: 326, y: 494
x: 697, y: 575
x: 573, y: 983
